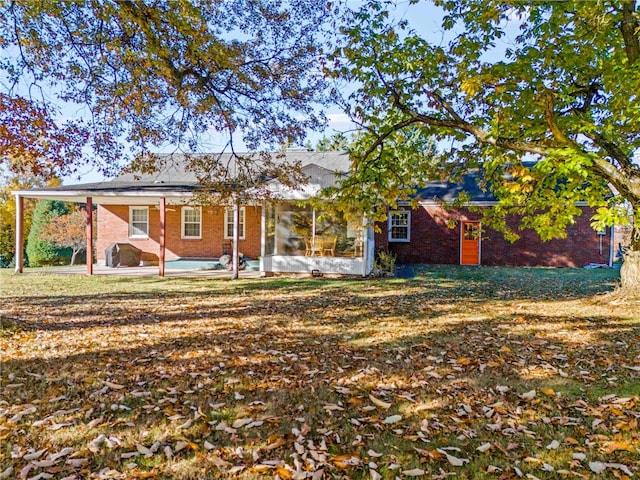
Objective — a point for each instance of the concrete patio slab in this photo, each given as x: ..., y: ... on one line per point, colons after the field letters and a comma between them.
x: 140, y: 272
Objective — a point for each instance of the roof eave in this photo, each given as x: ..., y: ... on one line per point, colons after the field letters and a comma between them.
x: 103, y: 197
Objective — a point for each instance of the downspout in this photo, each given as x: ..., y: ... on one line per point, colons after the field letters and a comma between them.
x: 612, y: 240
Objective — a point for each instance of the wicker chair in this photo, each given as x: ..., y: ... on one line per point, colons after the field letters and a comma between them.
x: 358, y: 245
x: 313, y: 248
x: 329, y: 246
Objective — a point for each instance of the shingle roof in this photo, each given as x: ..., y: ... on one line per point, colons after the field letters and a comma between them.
x: 322, y: 169
x: 115, y: 186
x: 174, y: 169
x: 175, y: 176
x: 447, y: 191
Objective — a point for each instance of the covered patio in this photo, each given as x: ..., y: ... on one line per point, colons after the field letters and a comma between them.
x: 158, y: 213
x: 105, y: 193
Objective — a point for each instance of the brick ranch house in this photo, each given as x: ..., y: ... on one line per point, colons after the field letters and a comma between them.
x: 425, y: 235
x: 156, y: 213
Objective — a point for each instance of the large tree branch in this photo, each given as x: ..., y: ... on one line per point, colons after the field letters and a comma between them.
x: 613, y: 150
x: 550, y: 117
x: 621, y: 180
x: 446, y: 105
x: 610, y: 172
x: 483, y: 136
x: 456, y: 122
x: 629, y: 28
x: 380, y: 139
x: 628, y: 185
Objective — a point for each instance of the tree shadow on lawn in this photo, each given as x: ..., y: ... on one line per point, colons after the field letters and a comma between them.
x: 430, y: 294
x: 282, y: 367
x: 512, y: 342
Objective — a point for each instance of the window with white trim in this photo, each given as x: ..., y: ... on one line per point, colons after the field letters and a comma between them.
x: 191, y: 222
x: 139, y: 222
x: 400, y: 226
x: 228, y: 223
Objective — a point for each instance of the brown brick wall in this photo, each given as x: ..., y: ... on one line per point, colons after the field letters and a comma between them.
x: 433, y: 242
x: 113, y: 226
x: 381, y: 239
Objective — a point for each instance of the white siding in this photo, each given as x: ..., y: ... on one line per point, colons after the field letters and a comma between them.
x: 301, y: 264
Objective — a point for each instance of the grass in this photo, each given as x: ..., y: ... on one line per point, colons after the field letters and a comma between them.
x: 480, y: 373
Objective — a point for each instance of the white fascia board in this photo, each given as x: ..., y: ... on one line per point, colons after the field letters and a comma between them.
x: 433, y: 203
x: 138, y: 197
x: 88, y: 193
x: 110, y: 198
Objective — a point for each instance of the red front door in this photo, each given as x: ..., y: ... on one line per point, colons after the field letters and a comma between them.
x: 470, y: 243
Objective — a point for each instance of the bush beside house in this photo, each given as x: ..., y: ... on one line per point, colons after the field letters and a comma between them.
x: 39, y: 251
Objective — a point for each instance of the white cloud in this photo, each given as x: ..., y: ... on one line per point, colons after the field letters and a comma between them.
x: 340, y: 121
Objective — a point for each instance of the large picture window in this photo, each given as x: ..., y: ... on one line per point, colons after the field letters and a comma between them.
x: 400, y: 226
x: 191, y: 222
x: 295, y: 229
x: 228, y: 223
x: 139, y: 222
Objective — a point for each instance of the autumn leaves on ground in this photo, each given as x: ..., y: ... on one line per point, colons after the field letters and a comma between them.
x: 470, y: 373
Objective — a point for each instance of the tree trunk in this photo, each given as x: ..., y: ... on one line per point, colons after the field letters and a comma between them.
x: 74, y: 254
x: 630, y: 270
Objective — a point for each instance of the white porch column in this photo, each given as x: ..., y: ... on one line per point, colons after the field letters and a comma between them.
x: 611, y: 246
x: 313, y: 232
x: 19, y: 234
x: 263, y: 235
x: 365, y: 245
x: 89, y: 235
x: 368, y: 247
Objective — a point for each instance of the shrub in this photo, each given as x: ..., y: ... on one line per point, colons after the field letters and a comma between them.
x: 385, y: 263
x: 39, y: 251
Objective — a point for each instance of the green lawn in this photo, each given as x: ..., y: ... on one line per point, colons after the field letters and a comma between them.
x: 471, y: 372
